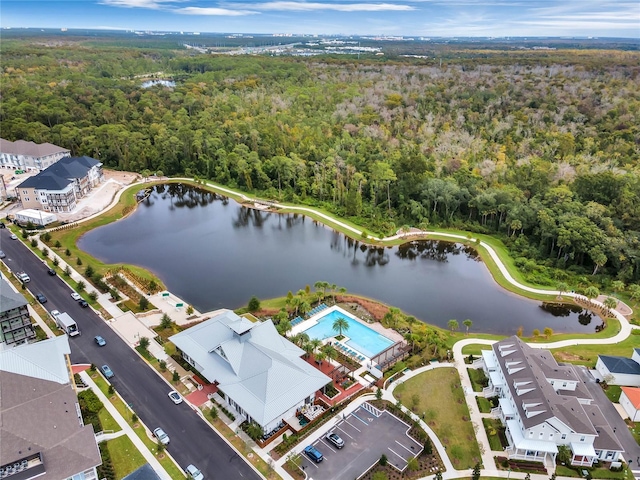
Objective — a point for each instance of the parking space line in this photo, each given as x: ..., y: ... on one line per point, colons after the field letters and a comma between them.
x: 346, y: 421
x: 395, y: 453
x: 345, y: 432
x: 327, y: 445
x: 354, y: 415
x: 407, y: 449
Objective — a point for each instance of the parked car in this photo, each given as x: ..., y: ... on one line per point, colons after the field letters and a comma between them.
x: 313, y: 453
x: 194, y: 473
x: 41, y: 298
x: 162, y: 437
x: 51, y: 272
x: 100, y: 341
x: 76, y: 296
x: 2, y: 225
x: 24, y: 278
x: 175, y: 397
x: 83, y: 303
x: 106, y: 371
x: 13, y: 236
x: 2, y: 254
x: 335, y: 439
x: 55, y: 313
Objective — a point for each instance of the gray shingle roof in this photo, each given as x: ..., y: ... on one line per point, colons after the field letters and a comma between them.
x: 260, y: 370
x: 621, y: 365
x: 8, y: 298
x: 31, y: 149
x: 40, y: 416
x: 544, y: 402
x: 61, y: 173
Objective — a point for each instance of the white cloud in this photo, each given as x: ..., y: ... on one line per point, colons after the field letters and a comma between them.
x: 149, y: 4
x: 338, y: 7
x: 211, y: 11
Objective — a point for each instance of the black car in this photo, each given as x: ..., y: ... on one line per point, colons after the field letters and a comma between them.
x: 2, y: 225
x: 83, y: 303
x: 51, y: 272
x: 41, y: 298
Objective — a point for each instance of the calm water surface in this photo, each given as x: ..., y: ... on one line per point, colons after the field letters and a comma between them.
x: 213, y: 253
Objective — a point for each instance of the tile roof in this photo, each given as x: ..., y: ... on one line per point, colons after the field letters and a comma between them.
x: 258, y: 368
x: 633, y: 394
x: 31, y: 149
x: 8, y: 298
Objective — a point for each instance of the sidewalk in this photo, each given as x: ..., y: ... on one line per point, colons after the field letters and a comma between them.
x: 148, y: 456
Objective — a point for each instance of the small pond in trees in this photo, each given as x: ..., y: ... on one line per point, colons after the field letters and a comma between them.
x: 214, y: 253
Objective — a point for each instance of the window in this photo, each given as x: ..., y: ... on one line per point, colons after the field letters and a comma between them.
x: 564, y: 436
x: 540, y: 434
x: 551, y: 436
x: 582, y: 439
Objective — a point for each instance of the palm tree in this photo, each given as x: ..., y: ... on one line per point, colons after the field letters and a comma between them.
x: 618, y: 286
x: 320, y: 357
x: 634, y: 291
x: 591, y: 293
x: 308, y: 348
x: 610, y: 303
x: 453, y: 324
x: 467, y: 323
x: 304, y: 307
x: 329, y: 351
x: 300, y: 339
x: 321, y: 286
x: 339, y: 325
x: 283, y: 327
x: 315, y: 344
x: 562, y: 287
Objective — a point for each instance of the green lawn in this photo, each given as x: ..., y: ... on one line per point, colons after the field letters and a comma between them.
x: 613, y: 393
x: 603, y: 473
x: 483, y: 405
x: 125, y: 457
x: 492, y: 427
x: 478, y: 379
x: 588, y: 354
x: 107, y: 421
x: 441, y: 399
x: 126, y: 412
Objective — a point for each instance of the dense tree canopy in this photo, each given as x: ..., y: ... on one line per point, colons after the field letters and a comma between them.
x: 544, y: 155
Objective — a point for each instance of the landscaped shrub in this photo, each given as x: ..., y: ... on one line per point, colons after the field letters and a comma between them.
x: 93, y: 295
x: 34, y: 242
x: 90, y: 405
x: 106, y: 469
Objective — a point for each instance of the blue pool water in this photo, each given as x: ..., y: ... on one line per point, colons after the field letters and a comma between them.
x: 362, y: 338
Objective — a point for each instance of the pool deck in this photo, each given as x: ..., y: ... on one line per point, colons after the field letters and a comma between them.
x: 376, y: 327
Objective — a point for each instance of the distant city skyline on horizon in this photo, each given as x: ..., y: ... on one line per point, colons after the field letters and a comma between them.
x: 420, y: 18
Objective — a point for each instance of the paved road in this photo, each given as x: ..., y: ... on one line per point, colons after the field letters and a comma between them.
x: 192, y: 440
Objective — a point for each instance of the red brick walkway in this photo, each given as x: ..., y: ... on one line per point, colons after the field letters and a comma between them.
x: 199, y: 397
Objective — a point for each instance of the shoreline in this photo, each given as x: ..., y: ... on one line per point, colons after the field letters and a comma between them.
x: 483, y: 248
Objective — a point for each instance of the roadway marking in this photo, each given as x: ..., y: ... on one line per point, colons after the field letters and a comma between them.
x: 346, y: 421
x: 327, y: 445
x: 354, y: 415
x: 395, y: 453
x: 345, y: 432
x: 407, y: 449
x: 313, y: 463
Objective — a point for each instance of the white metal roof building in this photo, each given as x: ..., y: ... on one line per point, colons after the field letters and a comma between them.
x: 259, y: 372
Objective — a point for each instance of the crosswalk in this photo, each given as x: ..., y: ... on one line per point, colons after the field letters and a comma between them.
x: 636, y: 474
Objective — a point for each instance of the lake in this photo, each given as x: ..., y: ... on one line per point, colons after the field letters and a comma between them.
x: 214, y: 253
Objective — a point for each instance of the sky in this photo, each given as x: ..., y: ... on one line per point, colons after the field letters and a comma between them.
x: 425, y: 18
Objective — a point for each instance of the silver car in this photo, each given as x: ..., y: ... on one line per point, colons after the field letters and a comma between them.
x: 162, y: 437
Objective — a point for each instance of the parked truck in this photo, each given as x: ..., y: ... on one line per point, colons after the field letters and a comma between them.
x: 23, y: 277
x: 66, y: 323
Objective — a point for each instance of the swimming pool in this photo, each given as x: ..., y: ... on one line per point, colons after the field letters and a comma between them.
x: 361, y: 338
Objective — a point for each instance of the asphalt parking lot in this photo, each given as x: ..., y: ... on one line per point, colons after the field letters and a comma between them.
x: 366, y: 437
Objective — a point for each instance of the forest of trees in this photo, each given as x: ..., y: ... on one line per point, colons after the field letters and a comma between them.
x: 542, y: 155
